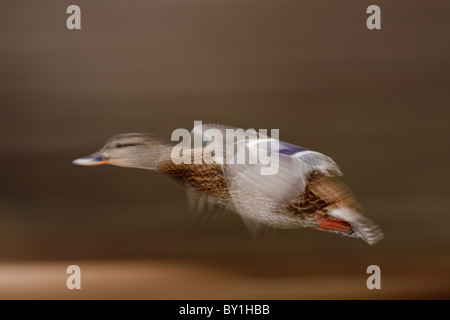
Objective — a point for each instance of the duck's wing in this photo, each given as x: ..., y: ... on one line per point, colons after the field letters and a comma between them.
x: 279, y: 170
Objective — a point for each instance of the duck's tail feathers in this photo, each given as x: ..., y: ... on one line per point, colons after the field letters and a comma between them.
x: 349, y: 222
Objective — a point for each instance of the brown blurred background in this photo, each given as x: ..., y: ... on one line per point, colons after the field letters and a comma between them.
x: 376, y: 101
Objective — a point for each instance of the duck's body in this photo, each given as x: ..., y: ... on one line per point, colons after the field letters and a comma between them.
x: 314, y: 198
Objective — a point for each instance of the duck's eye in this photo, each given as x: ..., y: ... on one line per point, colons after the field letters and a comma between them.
x: 122, y: 145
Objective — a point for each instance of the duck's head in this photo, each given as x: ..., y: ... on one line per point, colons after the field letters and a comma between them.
x: 136, y: 150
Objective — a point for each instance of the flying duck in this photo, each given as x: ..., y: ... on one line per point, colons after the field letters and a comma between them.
x: 307, y: 190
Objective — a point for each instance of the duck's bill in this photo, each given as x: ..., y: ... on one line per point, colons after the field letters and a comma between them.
x: 92, y: 160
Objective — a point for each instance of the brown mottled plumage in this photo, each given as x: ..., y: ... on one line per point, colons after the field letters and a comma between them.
x: 204, y: 179
x: 321, y: 195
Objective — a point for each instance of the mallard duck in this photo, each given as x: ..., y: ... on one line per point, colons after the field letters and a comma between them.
x: 307, y: 190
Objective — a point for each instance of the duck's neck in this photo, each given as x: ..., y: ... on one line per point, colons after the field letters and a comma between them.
x: 157, y: 155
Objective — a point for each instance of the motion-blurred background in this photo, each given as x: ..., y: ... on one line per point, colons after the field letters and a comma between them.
x: 376, y: 101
